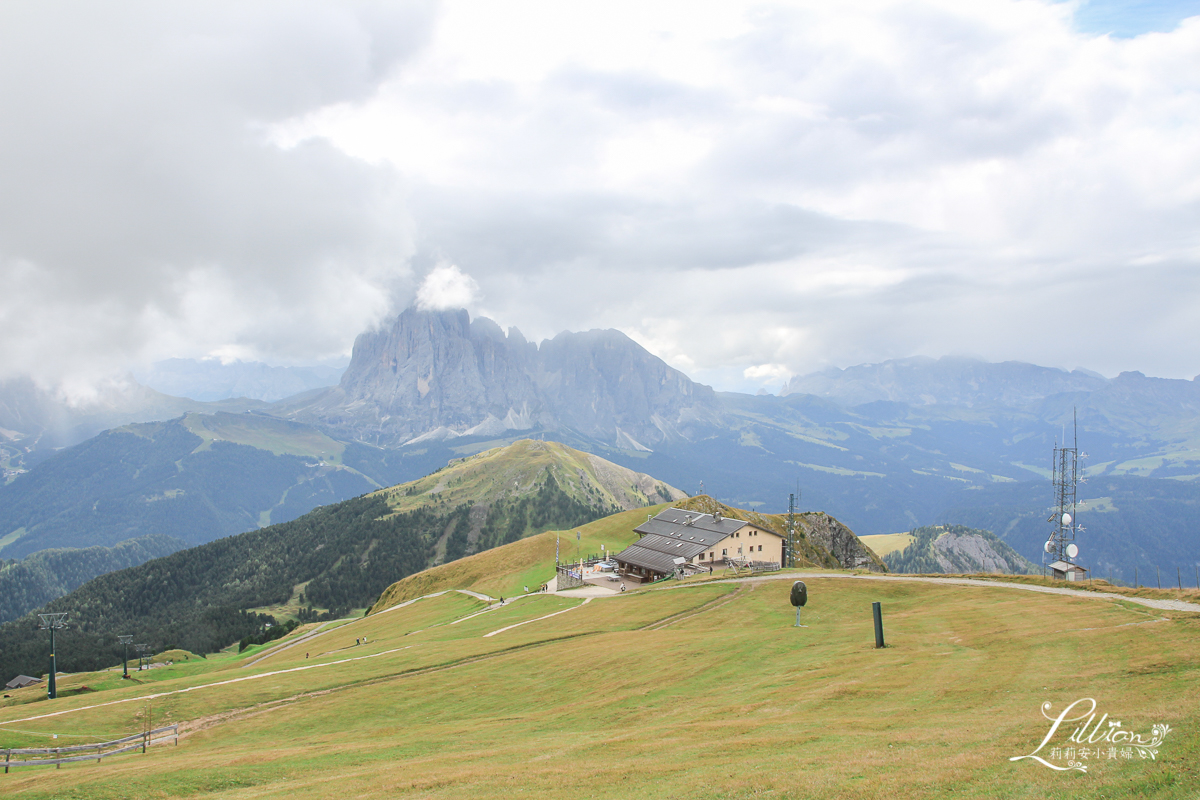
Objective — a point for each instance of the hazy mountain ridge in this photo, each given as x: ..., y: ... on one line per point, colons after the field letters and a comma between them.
x: 212, y: 380
x: 36, y: 420
x: 166, y: 477
x: 950, y: 380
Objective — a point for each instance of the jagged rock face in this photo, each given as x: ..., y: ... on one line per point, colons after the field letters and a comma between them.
x: 439, y: 374
x: 839, y: 540
x: 439, y: 369
x: 964, y: 553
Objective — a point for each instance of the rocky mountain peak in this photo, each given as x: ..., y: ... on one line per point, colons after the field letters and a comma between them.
x: 441, y: 374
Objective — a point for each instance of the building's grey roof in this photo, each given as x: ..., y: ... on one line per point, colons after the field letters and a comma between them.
x: 646, y: 558
x: 1064, y: 566
x: 690, y: 526
x: 21, y: 681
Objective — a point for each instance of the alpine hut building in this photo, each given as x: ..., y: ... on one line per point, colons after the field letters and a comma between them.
x: 676, y: 538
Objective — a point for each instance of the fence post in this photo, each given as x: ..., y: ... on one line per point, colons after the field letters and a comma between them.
x: 57, y: 763
x: 7, y: 756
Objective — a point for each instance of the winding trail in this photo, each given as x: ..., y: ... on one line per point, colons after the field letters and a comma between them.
x: 536, y: 619
x: 1161, y: 605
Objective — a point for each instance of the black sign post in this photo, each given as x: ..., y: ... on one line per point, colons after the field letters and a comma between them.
x: 799, y: 600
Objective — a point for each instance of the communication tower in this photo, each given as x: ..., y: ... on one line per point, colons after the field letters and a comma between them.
x: 1061, y: 547
x: 791, y: 542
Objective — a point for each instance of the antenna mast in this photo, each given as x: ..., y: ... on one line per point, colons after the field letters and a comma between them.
x: 1061, y: 545
x: 789, y: 549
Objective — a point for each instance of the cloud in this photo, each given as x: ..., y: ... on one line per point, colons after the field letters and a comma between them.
x: 737, y: 186
x: 145, y: 212
x: 447, y: 287
x: 806, y: 184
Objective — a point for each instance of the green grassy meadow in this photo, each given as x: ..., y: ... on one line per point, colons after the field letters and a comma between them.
x: 696, y: 690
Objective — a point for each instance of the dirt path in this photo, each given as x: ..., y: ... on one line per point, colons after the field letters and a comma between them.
x: 538, y: 619
x: 145, y: 697
x: 715, y: 603
x: 1161, y: 605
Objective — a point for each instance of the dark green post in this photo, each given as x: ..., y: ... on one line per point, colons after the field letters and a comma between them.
x: 53, y: 667
x: 877, y: 611
x: 125, y: 640
x: 53, y: 622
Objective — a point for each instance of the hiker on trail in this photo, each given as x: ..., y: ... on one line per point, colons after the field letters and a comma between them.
x: 356, y: 642
x: 306, y: 655
x: 526, y: 590
x: 622, y: 587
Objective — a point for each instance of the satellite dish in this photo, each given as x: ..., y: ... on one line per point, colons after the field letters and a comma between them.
x: 1066, y: 519
x: 1049, y: 546
x: 1072, y: 550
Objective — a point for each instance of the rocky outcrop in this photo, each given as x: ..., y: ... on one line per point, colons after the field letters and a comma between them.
x: 974, y: 552
x: 955, y: 549
x: 840, y: 541
x: 440, y: 374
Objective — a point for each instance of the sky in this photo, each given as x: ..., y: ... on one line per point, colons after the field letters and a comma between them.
x: 750, y: 190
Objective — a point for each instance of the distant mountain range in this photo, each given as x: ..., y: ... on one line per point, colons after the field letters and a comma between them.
x: 211, y: 379
x: 885, y: 447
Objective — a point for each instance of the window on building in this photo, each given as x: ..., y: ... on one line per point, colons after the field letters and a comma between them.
x: 760, y: 548
x: 725, y: 552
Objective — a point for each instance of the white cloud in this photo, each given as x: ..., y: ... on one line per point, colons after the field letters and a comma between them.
x: 447, y: 287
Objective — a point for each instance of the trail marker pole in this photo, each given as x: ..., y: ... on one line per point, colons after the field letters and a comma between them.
x: 1158, y: 572
x: 1179, y: 577
x: 877, y: 612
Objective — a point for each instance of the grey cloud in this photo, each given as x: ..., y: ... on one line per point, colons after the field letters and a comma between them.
x: 530, y: 233
x: 135, y: 164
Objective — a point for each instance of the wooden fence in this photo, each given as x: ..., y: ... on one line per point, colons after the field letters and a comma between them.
x: 99, y: 751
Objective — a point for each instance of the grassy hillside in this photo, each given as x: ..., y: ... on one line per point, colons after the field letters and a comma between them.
x: 693, y: 691
x: 528, y: 486
x: 334, y: 559
x: 885, y: 543
x: 505, y: 571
